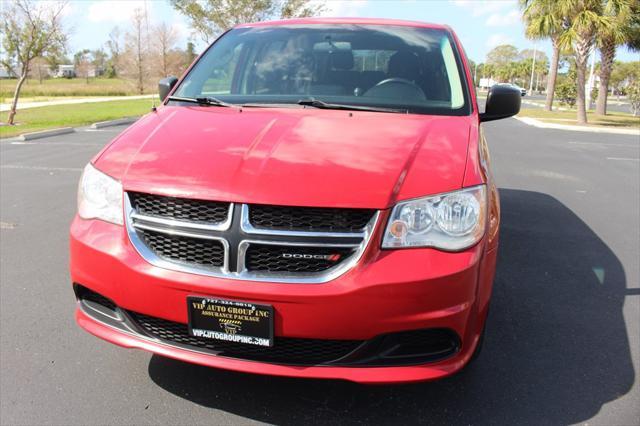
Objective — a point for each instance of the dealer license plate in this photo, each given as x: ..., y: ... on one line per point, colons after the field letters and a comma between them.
x: 230, y: 320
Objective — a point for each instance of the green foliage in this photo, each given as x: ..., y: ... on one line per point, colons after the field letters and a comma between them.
x: 211, y: 17
x: 543, y: 19
x: 35, y: 119
x: 30, y: 30
x: 509, y: 65
x: 69, y: 87
x: 99, y: 58
x: 623, y: 75
x: 502, y: 55
x: 190, y: 55
x: 633, y: 95
x: 566, y: 92
x: 594, y: 92
x: 612, y: 119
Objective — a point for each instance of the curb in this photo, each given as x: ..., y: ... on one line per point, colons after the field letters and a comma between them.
x: 118, y: 122
x: 46, y: 133
x: 544, y: 125
x: 541, y: 105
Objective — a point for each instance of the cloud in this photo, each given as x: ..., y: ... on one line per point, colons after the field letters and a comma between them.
x: 484, y: 7
x: 498, y: 39
x: 349, y: 8
x: 503, y: 19
x: 116, y: 11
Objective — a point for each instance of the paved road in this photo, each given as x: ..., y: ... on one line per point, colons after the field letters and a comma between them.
x: 613, y: 105
x: 563, y: 340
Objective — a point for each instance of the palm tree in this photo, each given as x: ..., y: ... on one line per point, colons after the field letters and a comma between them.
x: 586, y: 19
x: 626, y: 29
x: 544, y: 19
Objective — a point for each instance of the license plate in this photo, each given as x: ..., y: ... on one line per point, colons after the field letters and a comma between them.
x: 230, y: 321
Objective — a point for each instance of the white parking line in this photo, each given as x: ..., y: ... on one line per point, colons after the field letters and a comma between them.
x: 623, y: 159
x: 48, y: 169
x: 58, y: 143
x: 631, y: 145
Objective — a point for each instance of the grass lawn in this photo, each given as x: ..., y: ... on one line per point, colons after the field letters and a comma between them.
x: 613, y: 119
x: 69, y: 87
x: 51, y: 117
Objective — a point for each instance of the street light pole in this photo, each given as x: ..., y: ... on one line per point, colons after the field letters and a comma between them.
x: 475, y: 74
x: 533, y: 67
x: 591, y: 81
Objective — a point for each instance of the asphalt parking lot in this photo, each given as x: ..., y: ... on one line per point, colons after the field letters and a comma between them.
x: 563, y: 342
x: 613, y: 104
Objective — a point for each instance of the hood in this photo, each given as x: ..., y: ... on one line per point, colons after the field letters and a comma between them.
x: 290, y: 156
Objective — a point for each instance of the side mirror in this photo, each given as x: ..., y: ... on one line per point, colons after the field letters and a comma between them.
x: 165, y: 85
x: 502, y: 102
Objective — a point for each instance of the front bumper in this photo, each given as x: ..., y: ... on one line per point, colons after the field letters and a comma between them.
x: 387, y: 292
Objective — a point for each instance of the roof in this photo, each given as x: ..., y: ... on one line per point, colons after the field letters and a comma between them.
x: 360, y: 21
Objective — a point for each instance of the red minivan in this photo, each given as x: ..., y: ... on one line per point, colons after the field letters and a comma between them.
x: 313, y: 198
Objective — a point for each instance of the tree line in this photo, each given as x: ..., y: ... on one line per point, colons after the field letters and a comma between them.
x: 34, y: 38
x: 506, y: 64
x: 579, y: 28
x: 33, y: 35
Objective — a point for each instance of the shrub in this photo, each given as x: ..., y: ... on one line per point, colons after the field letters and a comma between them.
x: 566, y: 92
x: 634, y: 97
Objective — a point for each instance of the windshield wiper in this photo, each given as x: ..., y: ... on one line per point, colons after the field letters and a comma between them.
x: 316, y: 103
x: 205, y: 100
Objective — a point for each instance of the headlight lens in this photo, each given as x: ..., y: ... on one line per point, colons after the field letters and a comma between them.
x: 99, y: 196
x: 451, y: 221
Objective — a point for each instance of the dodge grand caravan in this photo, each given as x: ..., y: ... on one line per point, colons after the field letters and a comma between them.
x: 312, y: 198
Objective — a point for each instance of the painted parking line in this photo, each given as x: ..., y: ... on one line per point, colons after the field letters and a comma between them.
x: 48, y: 169
x: 628, y: 145
x: 623, y: 159
x: 44, y: 144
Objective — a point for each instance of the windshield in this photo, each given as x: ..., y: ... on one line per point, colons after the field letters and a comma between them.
x: 397, y: 67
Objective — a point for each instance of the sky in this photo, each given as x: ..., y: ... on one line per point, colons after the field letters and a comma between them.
x: 480, y: 24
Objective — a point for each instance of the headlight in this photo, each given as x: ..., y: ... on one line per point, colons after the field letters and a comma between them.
x: 99, y: 196
x: 451, y: 221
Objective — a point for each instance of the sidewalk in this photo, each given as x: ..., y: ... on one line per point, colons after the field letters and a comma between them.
x: 594, y: 129
x: 25, y: 105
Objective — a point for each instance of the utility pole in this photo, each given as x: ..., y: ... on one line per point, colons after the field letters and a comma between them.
x: 590, y: 81
x: 475, y: 74
x: 533, y: 67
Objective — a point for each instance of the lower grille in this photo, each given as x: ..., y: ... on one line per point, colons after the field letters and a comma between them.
x: 276, y: 258
x: 84, y: 293
x: 286, y: 350
x: 197, y: 251
x: 411, y: 347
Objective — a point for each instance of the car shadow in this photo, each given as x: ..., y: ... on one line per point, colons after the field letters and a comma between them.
x: 556, y: 347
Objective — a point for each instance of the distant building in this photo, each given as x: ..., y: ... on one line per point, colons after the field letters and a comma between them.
x: 94, y: 71
x: 65, y: 71
x: 486, y: 83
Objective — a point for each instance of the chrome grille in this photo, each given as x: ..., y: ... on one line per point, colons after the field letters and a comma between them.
x: 169, y: 232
